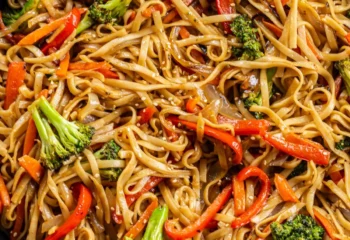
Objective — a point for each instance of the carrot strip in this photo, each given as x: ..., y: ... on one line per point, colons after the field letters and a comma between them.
x: 184, y: 33
x: 32, y: 166
x: 170, y: 16
x: 172, y: 136
x: 107, y: 73
x: 284, y: 189
x: 312, y: 47
x: 4, y: 194
x: 63, y: 68
x: 141, y: 223
x: 15, y: 79
x: 326, y: 224
x: 347, y: 37
x: 88, y: 65
x: 273, y: 28
x: 19, y: 220
x: 38, y: 34
x: 146, y: 114
x: 238, y: 196
x: 147, y: 13
x: 191, y: 105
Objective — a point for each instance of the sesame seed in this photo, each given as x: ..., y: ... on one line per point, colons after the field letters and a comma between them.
x: 143, y: 98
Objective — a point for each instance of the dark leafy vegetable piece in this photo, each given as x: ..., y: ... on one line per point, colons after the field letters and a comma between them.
x: 301, y: 168
x: 342, y: 144
x: 344, y: 69
x: 10, y: 15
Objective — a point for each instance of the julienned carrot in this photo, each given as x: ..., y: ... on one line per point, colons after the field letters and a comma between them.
x: 312, y: 47
x: 141, y: 223
x: 32, y: 166
x: 191, y: 105
x: 31, y: 132
x: 4, y: 194
x: 172, y: 135
x: 38, y: 34
x: 347, y: 37
x: 238, y: 196
x: 170, y: 16
x: 15, y: 79
x: 102, y: 67
x: 19, y: 220
x: 147, y: 13
x: 63, y: 68
x: 184, y: 33
x: 326, y: 224
x: 284, y: 189
x: 273, y: 28
x: 146, y: 114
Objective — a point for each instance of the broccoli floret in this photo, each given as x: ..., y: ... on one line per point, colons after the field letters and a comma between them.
x: 63, y: 140
x: 10, y: 15
x: 85, y: 23
x: 301, y: 168
x: 344, y: 69
x: 108, y: 12
x: 109, y: 151
x: 300, y: 228
x: 242, y: 28
x: 342, y: 144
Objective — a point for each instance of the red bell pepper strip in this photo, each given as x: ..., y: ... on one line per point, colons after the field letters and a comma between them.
x: 172, y: 136
x: 284, y: 189
x: 245, y: 173
x: 146, y: 114
x: 293, y: 138
x: 81, y: 210
x: 19, y: 220
x: 224, y: 137
x: 203, y: 221
x: 225, y: 7
x: 326, y: 224
x: 141, y: 223
x: 238, y: 196
x: 245, y: 127
x: 15, y: 79
x: 130, y: 199
x: 305, y: 152
x: 71, y: 24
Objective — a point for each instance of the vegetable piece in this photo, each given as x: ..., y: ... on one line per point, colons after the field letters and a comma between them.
x: 184, y: 33
x: 109, y: 151
x: 85, y: 23
x: 347, y: 37
x: 31, y: 132
x: 273, y: 28
x: 170, y: 16
x: 312, y: 47
x: 225, y: 7
x: 238, y: 196
x: 80, y: 211
x: 301, y: 227
x: 108, y: 11
x: 336, y: 176
x: 202, y: 222
x: 305, y: 152
x: 342, y: 144
x: 71, y: 137
x: 191, y: 105
x: 15, y: 79
x: 254, y: 209
x: 284, y: 189
x: 301, y: 168
x: 326, y: 224
x: 147, y: 13
x: 32, y: 166
x: 72, y: 22
x: 154, y: 230
x: 224, y: 137
x: 102, y: 67
x: 38, y: 34
x: 141, y: 223
x: 11, y: 15
x: 63, y: 68
x: 344, y: 69
x: 293, y: 138
x: 242, y: 28
x: 172, y: 135
x: 4, y: 194
x: 146, y: 114
x: 245, y: 127
x: 17, y: 227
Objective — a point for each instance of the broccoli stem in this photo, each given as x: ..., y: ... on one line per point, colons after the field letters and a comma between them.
x: 85, y: 23
x: 39, y: 124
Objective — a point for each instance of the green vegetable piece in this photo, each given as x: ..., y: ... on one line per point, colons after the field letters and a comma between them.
x: 85, y: 23
x: 10, y: 15
x: 154, y: 230
x: 300, y: 228
x: 344, y: 69
x: 342, y: 144
x: 301, y: 168
x: 108, y: 12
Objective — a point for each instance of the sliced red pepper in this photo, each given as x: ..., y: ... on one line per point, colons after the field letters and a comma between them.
x: 273, y: 28
x: 203, y: 221
x: 225, y: 7
x: 293, y: 138
x: 305, y: 152
x: 80, y: 211
x: 172, y: 136
x: 245, y: 173
x: 19, y: 220
x: 245, y: 127
x: 71, y: 24
x: 102, y: 67
x: 224, y: 137
x: 146, y: 114
x: 15, y: 79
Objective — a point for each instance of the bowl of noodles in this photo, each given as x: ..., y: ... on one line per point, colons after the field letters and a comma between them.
x: 175, y: 119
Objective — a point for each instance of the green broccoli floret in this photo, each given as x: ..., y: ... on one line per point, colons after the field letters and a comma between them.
x: 301, y: 168
x: 300, y: 228
x: 109, y: 151
x: 344, y: 69
x: 63, y: 140
x: 242, y: 28
x: 10, y: 15
x: 342, y: 144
